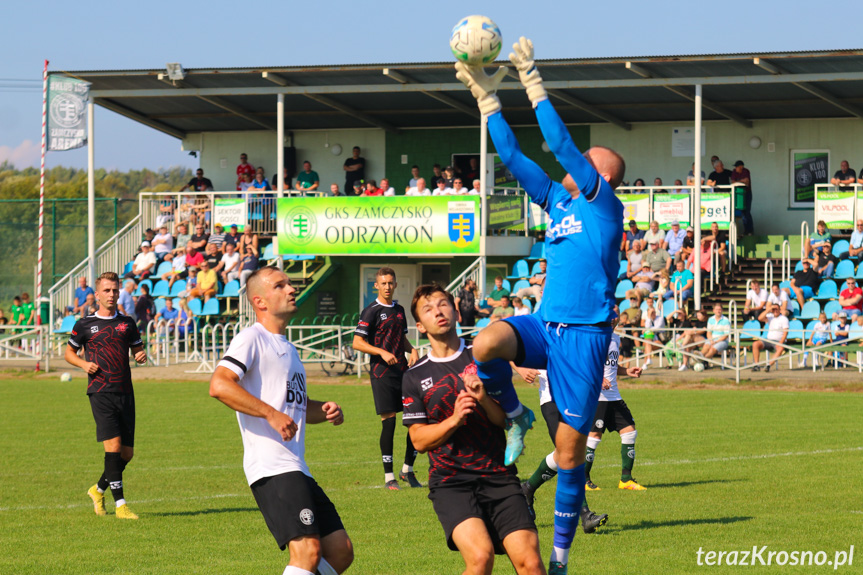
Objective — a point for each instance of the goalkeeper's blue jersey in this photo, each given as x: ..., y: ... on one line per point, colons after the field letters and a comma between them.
x: 583, y: 235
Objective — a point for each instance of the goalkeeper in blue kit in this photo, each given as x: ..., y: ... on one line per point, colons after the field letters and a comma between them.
x: 571, y: 337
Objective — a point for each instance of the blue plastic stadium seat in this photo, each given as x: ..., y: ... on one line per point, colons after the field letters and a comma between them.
x: 623, y: 268
x: 622, y: 287
x: 751, y: 330
x: 232, y: 289
x: 795, y: 330
x: 785, y: 285
x: 798, y: 267
x: 827, y: 290
x: 535, y: 269
x: 668, y: 306
x: 859, y: 274
x: 211, y: 307
x: 841, y: 247
x: 148, y: 283
x: 810, y: 328
x: 811, y: 310
x: 624, y: 305
x: 160, y: 289
x: 506, y: 285
x: 164, y: 268
x: 844, y: 270
x: 195, y: 306
x: 832, y: 307
x: 527, y: 304
x: 794, y: 307
x: 519, y: 270
x: 268, y: 252
x: 177, y: 301
x: 537, y: 252
x: 128, y: 267
x: 520, y: 284
x: 483, y: 322
x: 160, y: 304
x: 66, y: 325
x: 179, y: 286
x: 856, y: 331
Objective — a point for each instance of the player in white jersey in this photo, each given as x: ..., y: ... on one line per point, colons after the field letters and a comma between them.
x: 612, y: 414
x: 262, y: 378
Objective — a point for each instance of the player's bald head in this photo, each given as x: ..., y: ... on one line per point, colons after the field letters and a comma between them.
x: 608, y: 163
x: 257, y: 283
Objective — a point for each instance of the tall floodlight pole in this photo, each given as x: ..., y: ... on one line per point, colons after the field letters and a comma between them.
x: 42, y: 195
x: 483, y: 180
x: 280, y: 148
x: 91, y: 195
x: 696, y: 200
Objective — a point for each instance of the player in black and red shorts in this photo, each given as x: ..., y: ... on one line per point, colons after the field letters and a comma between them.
x: 477, y: 499
x: 106, y: 338
x: 381, y: 333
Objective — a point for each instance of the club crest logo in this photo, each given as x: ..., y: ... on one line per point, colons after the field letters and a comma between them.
x: 307, y: 517
x: 461, y: 223
x: 300, y: 225
x: 122, y: 328
x: 599, y: 424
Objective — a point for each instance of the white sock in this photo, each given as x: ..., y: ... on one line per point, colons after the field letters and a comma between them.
x: 325, y: 568
x: 407, y: 468
x: 549, y: 460
x: 290, y: 570
x: 99, y: 489
x: 389, y: 477
x: 120, y: 503
x: 513, y: 414
x: 628, y: 438
x: 593, y: 442
x: 560, y: 555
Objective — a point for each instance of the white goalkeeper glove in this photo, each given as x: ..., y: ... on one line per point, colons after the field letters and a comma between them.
x: 482, y: 86
x: 522, y: 59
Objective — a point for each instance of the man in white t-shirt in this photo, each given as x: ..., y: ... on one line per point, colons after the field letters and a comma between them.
x: 262, y: 378
x: 778, y: 297
x: 821, y: 334
x: 419, y: 190
x: 441, y: 189
x: 654, y: 234
x: 777, y: 332
x: 756, y: 299
x: 163, y: 244
x: 230, y: 263
x: 718, y: 332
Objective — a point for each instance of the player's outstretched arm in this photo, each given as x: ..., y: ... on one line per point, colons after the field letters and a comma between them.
x: 363, y: 346
x: 429, y: 436
x: 225, y: 386
x: 629, y: 371
x: 72, y: 358
x: 323, y: 411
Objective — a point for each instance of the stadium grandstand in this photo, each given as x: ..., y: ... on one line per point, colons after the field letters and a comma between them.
x: 772, y: 194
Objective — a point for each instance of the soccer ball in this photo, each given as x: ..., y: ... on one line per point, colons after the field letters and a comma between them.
x: 475, y: 40
x: 699, y: 367
x: 65, y: 377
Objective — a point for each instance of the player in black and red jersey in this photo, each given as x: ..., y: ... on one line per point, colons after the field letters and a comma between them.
x: 477, y: 499
x: 381, y: 334
x: 106, y: 338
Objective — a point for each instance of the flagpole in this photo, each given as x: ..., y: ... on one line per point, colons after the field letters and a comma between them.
x: 42, y: 196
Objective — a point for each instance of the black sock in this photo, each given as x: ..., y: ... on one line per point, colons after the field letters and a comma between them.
x: 103, y: 484
x: 410, y: 451
x: 388, y: 430
x: 114, y: 465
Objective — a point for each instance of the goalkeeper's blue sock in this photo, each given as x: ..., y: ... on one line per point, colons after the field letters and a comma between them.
x: 496, y: 375
x: 567, y: 506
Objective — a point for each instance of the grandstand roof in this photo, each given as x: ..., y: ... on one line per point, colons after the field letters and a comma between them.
x: 621, y: 91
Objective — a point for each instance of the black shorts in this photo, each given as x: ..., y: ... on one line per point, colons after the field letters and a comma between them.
x: 294, y: 505
x: 497, y: 500
x: 612, y: 416
x: 387, y: 391
x: 115, y: 416
x: 552, y: 418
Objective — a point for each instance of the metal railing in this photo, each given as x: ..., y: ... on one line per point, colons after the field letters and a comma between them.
x: 166, y: 338
x: 786, y: 261
x: 804, y: 235
x: 473, y: 272
x: 768, y: 274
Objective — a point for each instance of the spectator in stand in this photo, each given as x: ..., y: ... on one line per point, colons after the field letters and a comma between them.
x: 690, y: 177
x: 415, y: 177
x: 230, y: 264
x: 81, y: 293
x: 678, y: 322
x: 681, y: 284
x: 169, y: 314
x: 855, y: 243
x: 644, y: 282
x: 695, y: 337
x: 243, y: 169
x: 206, y: 283
x: 477, y: 188
x: 437, y: 174
x: 3, y: 319
x: 90, y: 306
x: 441, y: 189
x: 355, y: 169
x: 678, y: 189
x: 200, y: 238
x: 720, y: 176
x: 721, y: 239
x: 213, y: 257
x: 465, y: 303
x: 778, y: 297
x: 473, y: 169
x: 817, y: 239
x: 851, y: 298
x: 308, y: 180
x: 249, y: 239
x: 653, y: 234
x: 16, y: 311
x: 674, y: 239
x: 166, y: 212
x: 420, y: 189
x: 663, y: 287
x: 654, y: 325
x: 633, y: 312
x: 824, y: 262
x: 336, y: 191
x: 372, y: 189
x: 504, y: 310
x: 841, y: 330
x: 246, y: 183
x: 777, y: 333
x: 163, y: 245
x: 844, y: 177
x: 28, y: 310
x: 633, y: 259
x: 359, y: 188
x: 287, y: 184
x: 178, y: 269
x: 631, y: 236
x: 199, y: 183
x: 232, y: 237
x: 495, y: 298
x: 805, y: 283
x: 536, y: 281
x: 519, y: 307
x: 248, y: 264
x: 145, y: 309
x: 741, y: 175
x: 639, y: 183
x: 183, y: 238
x: 756, y: 299
x: 458, y: 188
x: 687, y: 247
x: 657, y: 183
x: 821, y: 334
x: 449, y: 176
x: 125, y: 302
x: 260, y: 183
x: 656, y: 257
x: 144, y: 264
x: 387, y: 189
x: 718, y: 333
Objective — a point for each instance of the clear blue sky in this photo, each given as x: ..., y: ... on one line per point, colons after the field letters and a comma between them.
x: 101, y: 35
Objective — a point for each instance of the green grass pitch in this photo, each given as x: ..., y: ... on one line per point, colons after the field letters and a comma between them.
x: 726, y: 470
